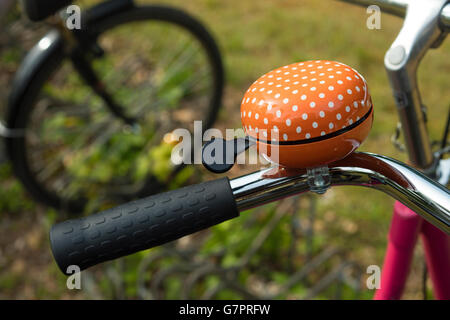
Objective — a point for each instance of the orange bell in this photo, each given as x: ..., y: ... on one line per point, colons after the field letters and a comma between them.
x: 308, y: 114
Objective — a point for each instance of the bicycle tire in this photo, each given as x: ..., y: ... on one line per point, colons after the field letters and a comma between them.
x: 18, y: 115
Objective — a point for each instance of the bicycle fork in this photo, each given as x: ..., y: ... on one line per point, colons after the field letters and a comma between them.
x: 405, y: 228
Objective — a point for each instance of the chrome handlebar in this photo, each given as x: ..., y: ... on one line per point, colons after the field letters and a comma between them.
x: 426, y: 197
x: 164, y: 217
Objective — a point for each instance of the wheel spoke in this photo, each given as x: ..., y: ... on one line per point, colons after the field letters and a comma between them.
x: 70, y: 125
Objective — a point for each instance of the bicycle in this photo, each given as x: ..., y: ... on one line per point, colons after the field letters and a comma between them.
x: 105, y: 98
x: 328, y: 132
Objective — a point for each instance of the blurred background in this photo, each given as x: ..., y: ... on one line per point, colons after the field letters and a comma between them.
x: 308, y: 247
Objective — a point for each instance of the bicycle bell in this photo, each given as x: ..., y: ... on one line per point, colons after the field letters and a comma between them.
x: 310, y: 113
x: 302, y: 115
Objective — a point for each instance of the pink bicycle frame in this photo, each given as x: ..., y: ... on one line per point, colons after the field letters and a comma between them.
x: 405, y: 228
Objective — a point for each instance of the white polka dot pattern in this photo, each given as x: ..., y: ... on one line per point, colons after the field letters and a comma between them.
x: 305, y: 100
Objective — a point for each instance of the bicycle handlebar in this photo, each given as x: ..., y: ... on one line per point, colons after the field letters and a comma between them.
x: 168, y: 216
x: 426, y: 197
x: 162, y: 218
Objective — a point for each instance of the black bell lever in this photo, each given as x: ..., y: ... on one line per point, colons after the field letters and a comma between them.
x: 219, y: 155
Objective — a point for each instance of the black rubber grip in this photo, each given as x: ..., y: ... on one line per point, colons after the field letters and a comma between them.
x: 141, y: 224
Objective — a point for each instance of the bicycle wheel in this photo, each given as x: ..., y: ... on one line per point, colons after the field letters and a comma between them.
x: 162, y: 66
